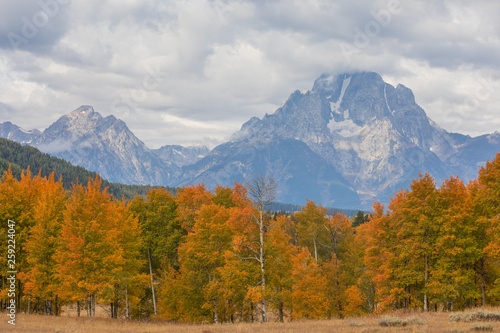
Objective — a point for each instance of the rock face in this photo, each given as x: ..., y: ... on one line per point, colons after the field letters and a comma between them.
x: 370, y: 136
x: 299, y: 172
x: 349, y: 140
x: 180, y: 155
x: 15, y: 133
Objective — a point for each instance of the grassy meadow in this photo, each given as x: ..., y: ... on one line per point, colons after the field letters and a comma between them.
x: 415, y: 322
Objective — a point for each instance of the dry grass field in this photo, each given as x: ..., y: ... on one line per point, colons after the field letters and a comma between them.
x: 417, y: 322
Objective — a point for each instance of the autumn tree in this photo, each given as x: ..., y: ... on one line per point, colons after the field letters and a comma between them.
x: 380, y: 242
x: 98, y: 242
x: 485, y: 196
x: 280, y: 253
x: 18, y: 199
x: 311, y: 229
x: 162, y: 231
x: 189, y: 200
x: 201, y: 257
x: 39, y: 277
x: 341, y: 268
x: 415, y: 219
x: 308, y: 297
x: 128, y: 279
x: 458, y: 246
x: 262, y: 191
x: 203, y: 253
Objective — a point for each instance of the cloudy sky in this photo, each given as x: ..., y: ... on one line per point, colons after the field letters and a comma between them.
x: 192, y: 71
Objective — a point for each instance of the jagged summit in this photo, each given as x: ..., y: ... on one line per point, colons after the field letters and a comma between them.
x: 83, y: 111
x: 373, y: 134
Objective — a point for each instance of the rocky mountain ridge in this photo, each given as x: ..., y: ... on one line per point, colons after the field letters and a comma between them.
x: 374, y: 135
x: 101, y: 144
x: 349, y: 140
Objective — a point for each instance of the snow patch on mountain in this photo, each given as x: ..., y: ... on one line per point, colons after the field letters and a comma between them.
x: 385, y: 98
x: 346, y: 128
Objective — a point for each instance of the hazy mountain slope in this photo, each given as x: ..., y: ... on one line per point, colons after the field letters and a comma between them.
x: 298, y: 171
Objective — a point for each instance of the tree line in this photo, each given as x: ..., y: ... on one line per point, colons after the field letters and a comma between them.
x: 219, y: 256
x: 18, y: 158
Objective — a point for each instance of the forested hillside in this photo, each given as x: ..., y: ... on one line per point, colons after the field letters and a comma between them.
x: 21, y: 157
x: 291, y: 208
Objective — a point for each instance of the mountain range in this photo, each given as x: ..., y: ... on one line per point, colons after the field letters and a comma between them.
x: 105, y: 145
x: 351, y: 139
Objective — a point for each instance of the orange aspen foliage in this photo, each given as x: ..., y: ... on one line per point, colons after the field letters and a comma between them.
x: 354, y: 302
x: 17, y: 203
x: 40, y: 275
x: 189, y: 200
x: 308, y: 292
x: 89, y: 252
x: 311, y: 226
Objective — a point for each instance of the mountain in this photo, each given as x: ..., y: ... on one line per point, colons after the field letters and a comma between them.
x: 361, y: 134
x: 15, y: 133
x: 181, y: 156
x: 105, y: 145
x: 350, y: 139
x: 299, y: 172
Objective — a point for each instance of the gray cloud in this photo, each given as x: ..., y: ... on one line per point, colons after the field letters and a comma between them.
x: 32, y: 25
x: 191, y: 71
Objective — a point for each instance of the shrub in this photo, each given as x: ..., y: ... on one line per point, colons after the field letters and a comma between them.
x: 475, y: 316
x: 456, y: 317
x: 488, y: 316
x: 414, y: 320
x: 391, y: 321
x: 481, y: 327
x: 356, y: 323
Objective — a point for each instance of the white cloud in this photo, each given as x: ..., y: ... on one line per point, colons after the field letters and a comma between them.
x: 216, y: 63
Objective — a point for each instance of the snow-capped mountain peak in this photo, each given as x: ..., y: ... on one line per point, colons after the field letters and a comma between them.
x: 373, y: 134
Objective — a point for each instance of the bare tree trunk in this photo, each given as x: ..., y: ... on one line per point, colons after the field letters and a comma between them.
x: 315, y: 251
x: 426, y: 305
x: 78, y: 308
x: 89, y: 306
x: 216, y: 313
x: 262, y: 191
x: 115, y: 303
x: 152, y: 282
x: 127, y: 308
x: 251, y: 312
x: 483, y: 291
x: 263, y: 269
